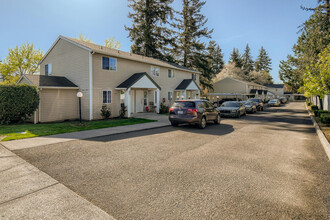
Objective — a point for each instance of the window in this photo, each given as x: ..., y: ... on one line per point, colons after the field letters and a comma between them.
x: 107, y: 97
x: 109, y: 63
x: 48, y: 69
x: 170, y: 94
x: 155, y: 71
x: 145, y: 98
x: 193, y: 76
x: 170, y: 74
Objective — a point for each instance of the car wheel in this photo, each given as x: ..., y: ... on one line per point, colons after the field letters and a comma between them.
x: 174, y: 124
x: 202, y: 123
x: 262, y: 108
x: 238, y: 114
x: 244, y: 113
x: 217, y: 120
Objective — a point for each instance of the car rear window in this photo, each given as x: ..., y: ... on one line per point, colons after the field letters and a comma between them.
x: 230, y: 104
x: 254, y: 100
x: 184, y: 104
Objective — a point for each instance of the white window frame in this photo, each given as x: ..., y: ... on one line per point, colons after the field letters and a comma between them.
x: 152, y: 71
x: 49, y: 68
x: 109, y: 64
x: 107, y: 96
x: 169, y: 95
x: 172, y: 73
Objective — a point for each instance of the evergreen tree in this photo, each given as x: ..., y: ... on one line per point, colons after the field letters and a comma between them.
x: 215, y: 58
x: 191, y: 29
x: 247, y: 60
x: 263, y: 61
x: 236, y: 58
x: 149, y: 32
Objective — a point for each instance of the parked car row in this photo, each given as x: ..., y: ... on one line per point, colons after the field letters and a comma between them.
x: 200, y: 112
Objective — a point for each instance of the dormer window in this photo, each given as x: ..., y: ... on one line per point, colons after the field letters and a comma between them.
x: 48, y: 69
x: 109, y: 63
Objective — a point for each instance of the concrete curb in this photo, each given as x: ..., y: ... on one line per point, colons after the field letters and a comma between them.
x: 320, y: 133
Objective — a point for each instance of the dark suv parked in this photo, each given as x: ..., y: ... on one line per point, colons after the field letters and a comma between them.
x: 193, y: 112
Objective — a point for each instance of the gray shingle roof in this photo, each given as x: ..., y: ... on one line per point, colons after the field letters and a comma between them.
x: 133, y: 79
x: 51, y: 81
x: 274, y: 85
x: 185, y: 83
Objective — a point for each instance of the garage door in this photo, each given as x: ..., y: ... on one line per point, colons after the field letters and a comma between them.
x: 58, y: 105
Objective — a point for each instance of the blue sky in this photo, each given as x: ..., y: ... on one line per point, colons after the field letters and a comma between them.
x: 272, y: 24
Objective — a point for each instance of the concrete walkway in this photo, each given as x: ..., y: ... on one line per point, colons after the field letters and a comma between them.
x: 80, y: 135
x: 28, y: 193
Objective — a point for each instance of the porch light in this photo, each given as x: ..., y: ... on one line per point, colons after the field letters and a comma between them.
x: 182, y: 97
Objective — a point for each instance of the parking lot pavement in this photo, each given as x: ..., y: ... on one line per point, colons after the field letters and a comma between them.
x: 268, y: 165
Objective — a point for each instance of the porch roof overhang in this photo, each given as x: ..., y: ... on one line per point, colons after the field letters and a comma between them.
x: 187, y: 84
x: 139, y: 80
x: 51, y: 82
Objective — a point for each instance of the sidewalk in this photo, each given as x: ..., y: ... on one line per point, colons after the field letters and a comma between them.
x: 79, y: 135
x: 28, y: 193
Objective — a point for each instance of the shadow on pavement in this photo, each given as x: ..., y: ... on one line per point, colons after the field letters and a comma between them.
x: 211, y: 129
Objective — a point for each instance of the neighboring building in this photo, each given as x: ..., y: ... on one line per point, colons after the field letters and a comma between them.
x: 233, y: 88
x: 276, y: 89
x: 108, y: 76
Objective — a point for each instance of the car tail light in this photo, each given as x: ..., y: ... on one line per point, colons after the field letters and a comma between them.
x: 171, y: 109
x: 192, y: 110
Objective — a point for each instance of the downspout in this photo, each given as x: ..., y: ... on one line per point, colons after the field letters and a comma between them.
x: 91, y: 85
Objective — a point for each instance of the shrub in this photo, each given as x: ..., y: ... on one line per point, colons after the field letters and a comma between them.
x: 314, y: 107
x: 317, y: 113
x: 105, y: 112
x: 163, y: 109
x: 122, y: 111
x: 308, y: 103
x: 17, y: 103
x: 325, y: 118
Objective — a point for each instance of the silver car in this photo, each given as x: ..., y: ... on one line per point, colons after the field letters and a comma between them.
x: 250, y: 106
x: 232, y: 109
x: 274, y: 102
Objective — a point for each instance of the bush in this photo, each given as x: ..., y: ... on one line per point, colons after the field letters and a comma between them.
x: 308, y: 103
x: 314, y: 107
x: 163, y: 109
x: 325, y: 118
x: 105, y: 112
x: 317, y: 113
x: 122, y: 111
x: 17, y: 103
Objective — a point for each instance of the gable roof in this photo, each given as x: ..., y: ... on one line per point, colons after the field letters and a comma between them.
x: 242, y: 81
x: 185, y: 83
x: 133, y: 79
x: 48, y: 81
x: 91, y: 47
x: 278, y: 86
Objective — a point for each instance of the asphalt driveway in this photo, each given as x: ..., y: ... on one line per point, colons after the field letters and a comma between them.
x: 268, y: 165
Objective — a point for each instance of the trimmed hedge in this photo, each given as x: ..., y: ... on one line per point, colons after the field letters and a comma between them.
x: 317, y: 113
x: 325, y: 118
x: 314, y: 107
x: 17, y: 103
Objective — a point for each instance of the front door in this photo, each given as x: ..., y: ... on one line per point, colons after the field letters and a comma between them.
x: 139, y: 98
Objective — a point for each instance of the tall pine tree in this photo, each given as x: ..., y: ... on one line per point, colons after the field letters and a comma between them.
x: 215, y: 58
x: 263, y: 61
x: 247, y: 60
x: 191, y: 28
x: 149, y: 32
x: 236, y: 58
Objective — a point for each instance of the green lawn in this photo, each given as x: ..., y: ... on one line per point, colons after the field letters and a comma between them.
x: 11, y: 132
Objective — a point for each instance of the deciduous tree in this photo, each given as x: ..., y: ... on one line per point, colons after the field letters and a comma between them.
x: 19, y: 61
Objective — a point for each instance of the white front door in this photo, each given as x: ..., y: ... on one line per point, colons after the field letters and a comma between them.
x: 139, y: 100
